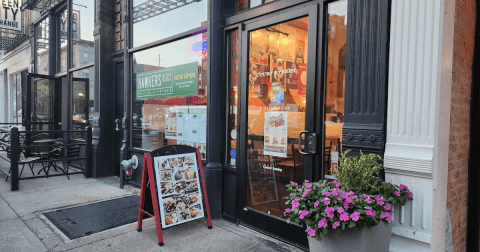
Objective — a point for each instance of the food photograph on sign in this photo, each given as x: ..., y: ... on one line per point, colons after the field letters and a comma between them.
x: 180, y: 197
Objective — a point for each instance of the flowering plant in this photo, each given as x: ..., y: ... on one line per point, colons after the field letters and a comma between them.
x: 342, y: 204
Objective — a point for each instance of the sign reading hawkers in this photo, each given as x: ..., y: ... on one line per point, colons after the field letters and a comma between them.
x: 10, y: 15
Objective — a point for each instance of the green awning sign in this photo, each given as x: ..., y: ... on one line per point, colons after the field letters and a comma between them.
x: 169, y: 81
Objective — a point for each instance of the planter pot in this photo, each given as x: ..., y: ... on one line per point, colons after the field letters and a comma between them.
x: 367, y: 239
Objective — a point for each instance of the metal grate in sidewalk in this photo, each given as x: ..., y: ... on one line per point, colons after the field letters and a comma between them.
x: 88, y: 219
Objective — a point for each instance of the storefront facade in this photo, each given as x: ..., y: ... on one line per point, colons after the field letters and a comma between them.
x: 269, y: 91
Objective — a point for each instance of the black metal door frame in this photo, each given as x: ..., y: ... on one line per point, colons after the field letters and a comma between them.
x: 30, y: 102
x: 262, y: 222
x: 87, y: 97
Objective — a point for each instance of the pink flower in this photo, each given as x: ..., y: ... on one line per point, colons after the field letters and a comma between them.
x: 396, y: 193
x: 386, y: 216
x: 335, y: 191
x: 326, y: 201
x: 410, y: 195
x: 335, y: 224
x: 322, y: 185
x: 381, y: 201
x: 368, y: 200
x: 316, y: 204
x: 295, y: 203
x: 306, y: 181
x: 388, y: 207
x: 322, y: 223
x: 402, y: 187
x: 329, y: 211
x: 288, y: 210
x: 326, y: 193
x: 354, y: 197
x: 370, y: 213
x: 368, y: 208
x: 303, y: 213
x: 306, y: 192
x: 300, y: 190
x: 310, y: 231
x: 344, y: 217
x: 340, y: 210
x: 349, y: 200
x: 293, y: 183
x: 337, y: 184
x: 355, y: 216
x: 309, y: 185
x: 345, y: 205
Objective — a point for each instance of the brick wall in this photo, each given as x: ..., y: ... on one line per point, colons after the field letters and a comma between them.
x: 460, y: 120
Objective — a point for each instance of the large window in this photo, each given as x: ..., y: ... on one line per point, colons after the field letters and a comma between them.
x: 169, y: 94
x: 42, y: 47
x: 233, y: 97
x: 155, y: 20
x: 246, y: 4
x: 15, y: 97
x: 83, y: 18
x: 335, y: 82
x: 62, y: 41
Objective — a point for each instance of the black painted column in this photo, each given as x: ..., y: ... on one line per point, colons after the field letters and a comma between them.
x: 52, y: 68
x: 218, y: 10
x: 366, y: 76
x: 104, y: 128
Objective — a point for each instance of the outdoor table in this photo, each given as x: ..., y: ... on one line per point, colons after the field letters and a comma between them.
x: 50, y: 143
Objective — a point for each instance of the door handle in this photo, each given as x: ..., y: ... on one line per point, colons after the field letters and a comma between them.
x: 310, y: 144
x: 116, y: 125
x: 300, y: 142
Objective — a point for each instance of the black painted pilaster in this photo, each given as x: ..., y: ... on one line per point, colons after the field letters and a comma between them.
x: 366, y: 76
x: 52, y: 68
x: 218, y: 10
x: 104, y: 128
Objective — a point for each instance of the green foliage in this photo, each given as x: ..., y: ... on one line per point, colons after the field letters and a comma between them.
x: 360, y: 174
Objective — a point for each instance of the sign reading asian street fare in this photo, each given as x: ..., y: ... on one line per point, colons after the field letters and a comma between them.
x: 170, y: 81
x: 10, y: 15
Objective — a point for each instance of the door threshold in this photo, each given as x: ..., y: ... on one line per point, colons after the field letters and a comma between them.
x: 273, y: 236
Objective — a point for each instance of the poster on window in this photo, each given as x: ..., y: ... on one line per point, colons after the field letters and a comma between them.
x: 179, y: 193
x: 192, y: 127
x: 275, y: 134
x: 171, y: 122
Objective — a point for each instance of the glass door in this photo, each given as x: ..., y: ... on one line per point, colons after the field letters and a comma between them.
x: 80, y: 105
x: 41, y: 108
x: 278, y: 95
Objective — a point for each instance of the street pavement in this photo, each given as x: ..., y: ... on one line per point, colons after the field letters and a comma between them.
x: 23, y: 227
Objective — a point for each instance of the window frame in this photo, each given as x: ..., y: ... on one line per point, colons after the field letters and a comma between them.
x: 129, y: 50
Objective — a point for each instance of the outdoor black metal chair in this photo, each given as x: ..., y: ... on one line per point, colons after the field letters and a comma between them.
x: 71, y: 153
x: 25, y: 160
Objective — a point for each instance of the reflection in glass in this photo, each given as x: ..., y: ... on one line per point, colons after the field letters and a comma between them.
x: 83, y: 18
x: 42, y: 47
x: 276, y: 112
x: 335, y: 83
x: 87, y: 93
x: 18, y: 110
x: 233, y: 89
x: 166, y: 18
x: 166, y: 110
x: 62, y: 41
x: 43, y: 94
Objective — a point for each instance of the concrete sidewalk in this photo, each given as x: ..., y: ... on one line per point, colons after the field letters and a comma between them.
x: 23, y: 226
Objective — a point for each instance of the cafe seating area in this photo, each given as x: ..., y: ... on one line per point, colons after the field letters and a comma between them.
x: 47, y: 153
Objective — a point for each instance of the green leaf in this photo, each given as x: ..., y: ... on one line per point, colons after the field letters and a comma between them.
x: 351, y: 224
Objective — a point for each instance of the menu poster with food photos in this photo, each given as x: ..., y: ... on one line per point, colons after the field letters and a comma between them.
x: 275, y: 134
x: 179, y: 191
x: 171, y: 122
